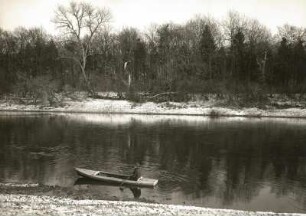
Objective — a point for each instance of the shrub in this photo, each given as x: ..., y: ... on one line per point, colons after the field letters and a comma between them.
x: 40, y: 90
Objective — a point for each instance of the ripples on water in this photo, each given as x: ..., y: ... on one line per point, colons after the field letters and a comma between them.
x: 252, y: 164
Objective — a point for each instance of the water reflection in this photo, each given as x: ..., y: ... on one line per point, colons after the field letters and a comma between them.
x: 254, y: 164
x: 86, y: 181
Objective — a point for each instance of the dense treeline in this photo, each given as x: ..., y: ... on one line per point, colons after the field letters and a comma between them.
x: 236, y: 55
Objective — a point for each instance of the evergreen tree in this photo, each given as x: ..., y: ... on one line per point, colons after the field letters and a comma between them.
x: 299, y: 57
x: 282, y: 70
x: 139, y: 59
x: 238, y: 55
x: 207, y: 49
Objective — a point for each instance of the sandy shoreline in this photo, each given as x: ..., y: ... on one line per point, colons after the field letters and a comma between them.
x: 34, y: 199
x: 14, y: 204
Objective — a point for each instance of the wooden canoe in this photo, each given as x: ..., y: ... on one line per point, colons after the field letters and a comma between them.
x: 115, y: 178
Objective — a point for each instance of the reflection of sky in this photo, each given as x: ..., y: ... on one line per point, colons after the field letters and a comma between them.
x: 195, y: 121
x: 114, y: 120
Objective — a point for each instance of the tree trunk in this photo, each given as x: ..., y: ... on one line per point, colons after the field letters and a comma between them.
x: 88, y: 85
x: 209, y: 68
x: 264, y: 68
x: 86, y: 78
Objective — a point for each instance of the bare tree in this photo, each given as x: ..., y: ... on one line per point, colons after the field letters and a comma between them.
x: 291, y: 33
x: 234, y: 23
x: 80, y: 22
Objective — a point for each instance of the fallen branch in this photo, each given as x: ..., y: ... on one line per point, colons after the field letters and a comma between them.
x: 163, y: 93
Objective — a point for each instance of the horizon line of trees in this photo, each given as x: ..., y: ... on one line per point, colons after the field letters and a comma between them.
x: 236, y: 55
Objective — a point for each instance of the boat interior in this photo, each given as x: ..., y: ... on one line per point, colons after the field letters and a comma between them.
x: 99, y: 173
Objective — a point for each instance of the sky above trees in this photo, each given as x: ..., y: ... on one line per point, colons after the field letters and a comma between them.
x: 141, y: 13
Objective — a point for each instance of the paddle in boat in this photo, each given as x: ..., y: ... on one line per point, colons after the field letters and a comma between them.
x: 115, y: 178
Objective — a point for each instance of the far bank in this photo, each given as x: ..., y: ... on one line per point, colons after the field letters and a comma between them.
x: 209, y: 105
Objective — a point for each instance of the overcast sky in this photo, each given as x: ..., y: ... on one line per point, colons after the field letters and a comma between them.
x: 141, y: 13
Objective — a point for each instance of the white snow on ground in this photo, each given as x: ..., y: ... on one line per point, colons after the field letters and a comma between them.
x: 172, y: 108
x: 46, y: 205
x: 18, y: 185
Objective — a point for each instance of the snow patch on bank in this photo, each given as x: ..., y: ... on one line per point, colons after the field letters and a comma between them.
x: 170, y: 108
x: 18, y: 185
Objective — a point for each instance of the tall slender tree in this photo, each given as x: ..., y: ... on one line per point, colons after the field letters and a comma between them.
x: 238, y: 51
x: 299, y: 58
x: 282, y: 69
x: 139, y: 59
x: 207, y: 48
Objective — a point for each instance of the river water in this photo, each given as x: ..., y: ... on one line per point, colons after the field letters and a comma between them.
x: 239, y: 163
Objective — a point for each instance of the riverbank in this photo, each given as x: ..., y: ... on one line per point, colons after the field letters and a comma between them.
x: 13, y: 204
x: 278, y: 106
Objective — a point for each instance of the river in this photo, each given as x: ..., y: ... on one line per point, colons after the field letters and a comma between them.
x: 238, y: 163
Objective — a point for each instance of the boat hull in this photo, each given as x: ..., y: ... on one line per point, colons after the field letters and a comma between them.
x: 115, y: 178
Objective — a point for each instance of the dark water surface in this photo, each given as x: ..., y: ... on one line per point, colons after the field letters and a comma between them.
x: 249, y: 164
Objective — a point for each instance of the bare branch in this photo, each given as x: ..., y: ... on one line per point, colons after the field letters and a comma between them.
x: 81, y: 22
